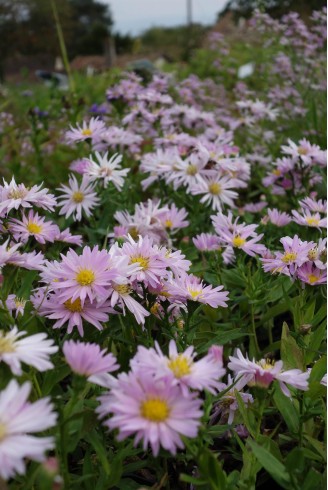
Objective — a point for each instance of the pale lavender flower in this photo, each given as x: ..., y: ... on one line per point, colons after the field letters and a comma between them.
x: 279, y: 218
x: 295, y: 254
x: 206, y: 242
x: 308, y: 273
x: 189, y: 287
x: 107, y: 170
x: 189, y: 374
x: 262, y: 373
x: 88, y: 275
x: 308, y: 218
x: 88, y: 360
x: 71, y: 312
x: 92, y: 130
x: 319, y: 206
x: 78, y: 198
x: 33, y: 225
x: 153, y: 410
x: 34, y: 350
x: 18, y: 420
x: 216, y: 191
x: 14, y: 196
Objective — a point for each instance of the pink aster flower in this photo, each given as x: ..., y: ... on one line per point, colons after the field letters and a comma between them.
x: 183, y: 368
x: 33, y: 350
x: 308, y: 218
x: 190, y: 287
x: 227, y: 406
x: 18, y: 420
x: 88, y: 360
x: 66, y: 237
x: 107, y: 170
x: 77, y: 198
x: 149, y: 258
x: 263, y: 372
x: 14, y: 196
x: 79, y: 166
x: 173, y: 219
x: 319, y: 206
x: 240, y: 236
x: 304, y: 150
x: 295, y: 254
x: 71, y: 312
x: 255, y: 207
x: 121, y: 296
x: 318, y: 254
x: 13, y: 303
x: 33, y: 225
x: 88, y: 275
x: 312, y: 275
x: 153, y: 410
x: 31, y: 260
x: 9, y: 253
x: 206, y: 242
x: 279, y: 218
x: 92, y: 130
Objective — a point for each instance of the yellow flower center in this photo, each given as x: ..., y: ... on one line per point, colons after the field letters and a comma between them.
x: 195, y: 293
x: 180, y: 366
x: 191, y: 170
x: 276, y: 172
x: 74, y: 306
x: 18, y: 193
x: 214, y: 189
x: 19, y: 302
x: 33, y: 228
x: 312, y: 278
x: 86, y: 132
x: 122, y: 289
x: 134, y: 232
x: 77, y: 196
x: 313, y: 253
x: 289, y: 257
x: 237, y: 241
x: 154, y: 309
x: 142, y: 261
x: 266, y: 364
x: 85, y: 277
x: 155, y: 410
x: 6, y: 344
x: 302, y: 151
x: 168, y: 223
x: 312, y: 221
x: 3, y: 431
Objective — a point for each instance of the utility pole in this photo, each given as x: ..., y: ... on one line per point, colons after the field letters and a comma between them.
x: 189, y: 12
x: 189, y: 28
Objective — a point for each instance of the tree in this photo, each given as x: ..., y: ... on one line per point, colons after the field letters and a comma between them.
x: 27, y: 27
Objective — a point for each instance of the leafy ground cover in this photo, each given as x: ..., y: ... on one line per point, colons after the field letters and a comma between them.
x: 163, y: 271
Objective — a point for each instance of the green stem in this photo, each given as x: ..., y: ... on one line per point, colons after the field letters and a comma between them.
x: 62, y: 46
x: 256, y: 344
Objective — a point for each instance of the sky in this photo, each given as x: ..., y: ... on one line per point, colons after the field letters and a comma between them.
x: 135, y: 16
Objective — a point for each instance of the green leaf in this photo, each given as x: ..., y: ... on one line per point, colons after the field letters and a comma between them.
x: 94, y: 439
x: 210, y: 468
x: 317, y: 445
x: 287, y: 409
x: 246, y: 415
x: 271, y: 464
x: 313, y: 480
x: 291, y: 354
x: 319, y: 370
x: 316, y: 339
